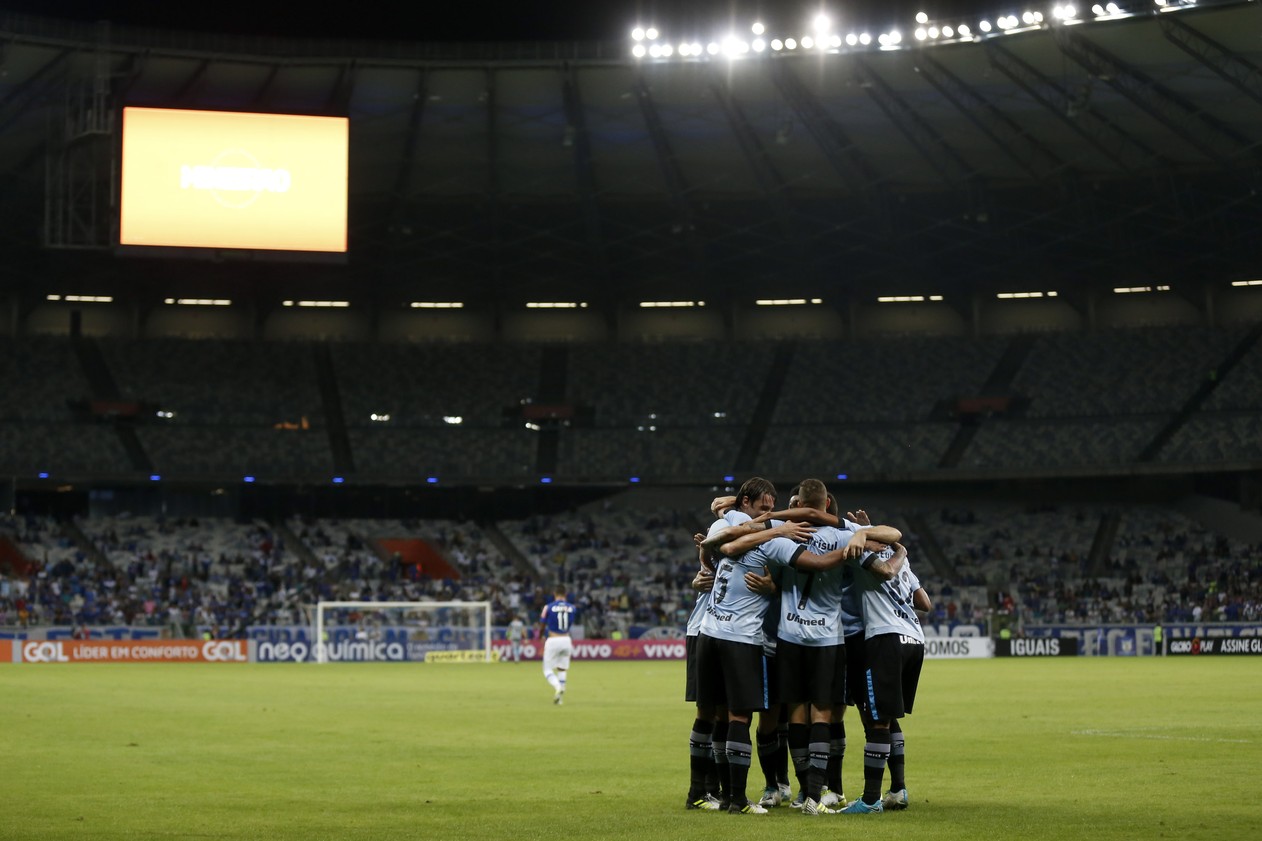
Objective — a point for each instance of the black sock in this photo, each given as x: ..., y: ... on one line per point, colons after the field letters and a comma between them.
x: 876, y: 754
x: 818, y: 758
x: 836, y: 753
x: 782, y: 750
x: 700, y: 757
x: 768, y: 744
x: 800, y: 752
x: 719, y: 740
x: 897, y: 757
x: 740, y: 754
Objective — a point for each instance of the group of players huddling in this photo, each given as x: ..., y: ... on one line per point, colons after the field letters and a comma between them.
x: 800, y: 613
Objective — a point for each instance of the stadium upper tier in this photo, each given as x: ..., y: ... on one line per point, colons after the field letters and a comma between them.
x: 1102, y: 149
x: 906, y: 408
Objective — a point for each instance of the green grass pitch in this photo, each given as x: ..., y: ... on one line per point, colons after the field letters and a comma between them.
x: 1064, y: 748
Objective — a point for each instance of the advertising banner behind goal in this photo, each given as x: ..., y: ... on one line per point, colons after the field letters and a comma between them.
x: 133, y: 651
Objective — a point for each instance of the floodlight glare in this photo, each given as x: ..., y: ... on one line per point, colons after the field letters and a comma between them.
x: 807, y: 42
x: 948, y: 32
x: 865, y: 39
x: 651, y: 33
x: 934, y: 32
x: 667, y: 50
x: 758, y: 29
x: 759, y: 45
x: 696, y: 48
x: 964, y: 30
x: 1097, y: 10
x: 638, y: 51
x: 655, y: 51
x: 821, y: 23
x: 712, y: 48
x: 1071, y: 11
x: 896, y: 37
x: 1112, y: 9
x: 852, y: 39
x: 777, y: 44
x: 637, y: 33
x: 921, y: 17
x: 984, y: 26
x: 834, y: 41
x: 921, y: 33
x: 790, y: 44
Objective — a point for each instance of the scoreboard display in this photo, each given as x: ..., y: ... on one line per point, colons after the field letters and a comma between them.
x: 232, y: 180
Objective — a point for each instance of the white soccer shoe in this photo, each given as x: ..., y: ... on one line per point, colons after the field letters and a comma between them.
x: 832, y: 799
x: 558, y: 698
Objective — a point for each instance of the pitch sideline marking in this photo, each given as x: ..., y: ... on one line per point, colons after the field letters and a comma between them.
x: 1128, y: 734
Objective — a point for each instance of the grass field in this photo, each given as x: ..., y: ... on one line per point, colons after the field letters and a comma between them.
x: 1064, y: 748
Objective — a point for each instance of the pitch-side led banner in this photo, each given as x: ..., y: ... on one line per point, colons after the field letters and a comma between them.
x: 132, y: 651
x: 958, y: 648
x: 598, y: 649
x: 218, y: 179
x: 6, y: 651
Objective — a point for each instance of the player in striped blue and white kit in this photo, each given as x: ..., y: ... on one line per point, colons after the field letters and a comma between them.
x: 556, y: 621
x: 893, y: 651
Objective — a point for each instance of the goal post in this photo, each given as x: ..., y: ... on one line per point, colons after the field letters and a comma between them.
x: 401, y: 631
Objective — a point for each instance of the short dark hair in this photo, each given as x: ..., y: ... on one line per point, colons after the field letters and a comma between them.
x: 754, y: 489
x: 812, y: 494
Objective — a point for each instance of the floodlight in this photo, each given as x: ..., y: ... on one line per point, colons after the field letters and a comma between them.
x: 921, y: 17
x: 852, y: 39
x: 934, y: 32
x: 1112, y: 9
x: 667, y: 50
x: 807, y: 42
x: 758, y: 29
x: 1097, y: 10
x: 655, y: 51
x: 984, y: 26
x: 638, y: 33
x: 777, y: 44
x: 638, y: 51
x: 651, y: 33
x: 1027, y: 17
x: 821, y: 23
x: 712, y: 48
x: 921, y: 33
x: 759, y: 45
x: 865, y: 39
x: 834, y: 41
x: 790, y: 44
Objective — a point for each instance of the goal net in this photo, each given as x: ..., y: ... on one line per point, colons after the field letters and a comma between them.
x: 403, y: 631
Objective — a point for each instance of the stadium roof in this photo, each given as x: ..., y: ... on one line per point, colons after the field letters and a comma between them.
x: 1115, y: 152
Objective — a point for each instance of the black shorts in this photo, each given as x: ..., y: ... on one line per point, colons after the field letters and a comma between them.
x: 732, y: 674
x: 690, y: 669
x: 808, y: 673
x: 891, y: 677
x: 856, y: 665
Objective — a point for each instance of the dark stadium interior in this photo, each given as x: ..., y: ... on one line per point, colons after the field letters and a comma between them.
x: 1017, y: 285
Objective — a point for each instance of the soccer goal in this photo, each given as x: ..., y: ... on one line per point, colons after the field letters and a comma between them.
x: 402, y: 631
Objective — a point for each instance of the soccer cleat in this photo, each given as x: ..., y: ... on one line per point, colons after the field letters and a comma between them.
x: 559, y: 697
x: 810, y: 807
x: 786, y: 793
x: 705, y: 803
x: 860, y: 808
x: 770, y: 797
x: 747, y: 809
x: 718, y: 804
x: 798, y: 800
x: 895, y: 800
x: 832, y: 799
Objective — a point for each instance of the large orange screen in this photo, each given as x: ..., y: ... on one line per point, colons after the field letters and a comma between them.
x: 215, y: 179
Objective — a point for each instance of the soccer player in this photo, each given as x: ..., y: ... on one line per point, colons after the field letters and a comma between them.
x: 731, y: 667
x: 555, y: 621
x: 516, y: 633
x: 894, y: 652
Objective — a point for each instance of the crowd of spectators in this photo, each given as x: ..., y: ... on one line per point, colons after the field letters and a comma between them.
x: 628, y: 569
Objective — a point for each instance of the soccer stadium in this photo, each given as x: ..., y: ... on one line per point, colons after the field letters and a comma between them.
x: 470, y: 428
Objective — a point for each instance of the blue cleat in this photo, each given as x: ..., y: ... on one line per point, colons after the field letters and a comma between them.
x: 858, y: 807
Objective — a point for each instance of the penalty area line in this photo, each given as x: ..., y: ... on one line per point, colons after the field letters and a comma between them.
x: 1130, y: 734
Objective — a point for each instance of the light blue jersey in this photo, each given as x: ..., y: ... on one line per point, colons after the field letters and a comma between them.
x: 731, y: 518
x: 811, y: 601
x: 887, y: 605
x: 736, y: 613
